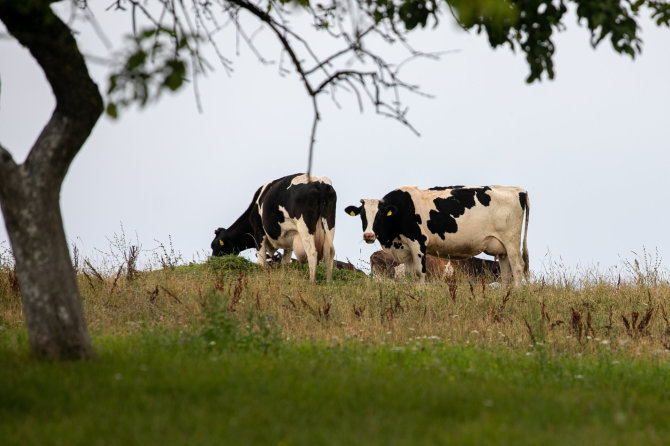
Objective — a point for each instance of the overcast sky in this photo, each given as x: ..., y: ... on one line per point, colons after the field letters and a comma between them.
x: 591, y: 147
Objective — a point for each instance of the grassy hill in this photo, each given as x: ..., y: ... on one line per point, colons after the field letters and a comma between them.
x: 223, y: 352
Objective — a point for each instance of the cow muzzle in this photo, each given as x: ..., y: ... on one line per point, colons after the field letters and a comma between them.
x: 369, y: 237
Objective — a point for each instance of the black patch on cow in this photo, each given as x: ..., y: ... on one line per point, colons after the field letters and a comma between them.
x: 364, y: 217
x: 311, y: 201
x: 404, y: 220
x: 522, y: 200
x: 398, y: 245
x: 442, y: 220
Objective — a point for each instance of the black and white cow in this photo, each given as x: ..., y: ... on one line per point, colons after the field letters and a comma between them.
x: 452, y: 222
x: 293, y: 213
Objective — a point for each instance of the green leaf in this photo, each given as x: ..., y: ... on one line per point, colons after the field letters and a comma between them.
x: 112, y: 111
x: 175, y: 78
x: 136, y: 60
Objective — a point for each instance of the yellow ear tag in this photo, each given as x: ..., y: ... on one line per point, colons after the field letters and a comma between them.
x: 221, y: 242
x: 352, y: 213
x: 389, y: 213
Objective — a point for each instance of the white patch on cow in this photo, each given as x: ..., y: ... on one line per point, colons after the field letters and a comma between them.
x: 449, y: 269
x: 370, y: 207
x: 304, y: 179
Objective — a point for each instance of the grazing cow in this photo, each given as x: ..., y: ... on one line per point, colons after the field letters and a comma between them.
x: 293, y: 212
x: 383, y: 264
x: 455, y: 222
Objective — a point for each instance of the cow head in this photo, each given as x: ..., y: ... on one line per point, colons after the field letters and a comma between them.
x: 385, y: 223
x: 221, y: 245
x: 368, y: 211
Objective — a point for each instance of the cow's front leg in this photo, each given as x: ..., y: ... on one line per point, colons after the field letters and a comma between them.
x: 416, y: 263
x: 422, y: 263
x: 286, y: 256
x: 262, y: 251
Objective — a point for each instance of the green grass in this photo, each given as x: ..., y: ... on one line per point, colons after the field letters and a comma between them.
x: 235, y: 381
x: 226, y: 353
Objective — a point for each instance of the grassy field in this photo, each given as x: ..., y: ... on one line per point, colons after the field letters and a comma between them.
x: 225, y: 353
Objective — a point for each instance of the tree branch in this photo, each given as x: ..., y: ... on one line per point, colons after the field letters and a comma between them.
x: 7, y: 165
x: 78, y: 101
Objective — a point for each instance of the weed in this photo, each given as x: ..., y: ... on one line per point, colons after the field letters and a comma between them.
x: 222, y: 330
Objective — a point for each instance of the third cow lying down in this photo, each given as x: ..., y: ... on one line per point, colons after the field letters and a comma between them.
x: 382, y: 264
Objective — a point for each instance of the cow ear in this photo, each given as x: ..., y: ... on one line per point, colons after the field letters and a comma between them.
x: 217, y: 230
x: 352, y: 210
x: 389, y: 210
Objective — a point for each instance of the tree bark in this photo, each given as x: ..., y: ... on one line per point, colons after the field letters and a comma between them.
x: 30, y: 192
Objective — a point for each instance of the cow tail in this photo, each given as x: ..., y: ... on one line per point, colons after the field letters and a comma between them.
x: 526, y: 263
x: 327, y: 207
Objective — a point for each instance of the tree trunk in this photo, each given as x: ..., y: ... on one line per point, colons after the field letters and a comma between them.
x: 49, y: 292
x: 30, y: 192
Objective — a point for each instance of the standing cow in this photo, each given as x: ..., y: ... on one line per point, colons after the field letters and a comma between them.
x: 452, y: 222
x: 293, y: 212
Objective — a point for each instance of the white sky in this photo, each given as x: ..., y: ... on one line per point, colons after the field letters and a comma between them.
x: 592, y: 146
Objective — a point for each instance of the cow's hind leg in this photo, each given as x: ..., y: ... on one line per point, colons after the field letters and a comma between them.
x: 505, y: 270
x: 309, y: 245
x: 516, y: 265
x: 328, y: 249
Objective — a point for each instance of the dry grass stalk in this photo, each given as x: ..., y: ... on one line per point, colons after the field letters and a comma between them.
x: 75, y: 258
x: 530, y: 331
x: 497, y: 312
x: 293, y: 305
x: 13, y: 281
x: 576, y: 324
x: 170, y: 293
x: 131, y: 262
x: 358, y: 311
x: 153, y: 295
x: 589, y: 327
x: 203, y: 300
x: 95, y: 272
x: 453, y: 287
x: 241, y: 285
x: 116, y: 279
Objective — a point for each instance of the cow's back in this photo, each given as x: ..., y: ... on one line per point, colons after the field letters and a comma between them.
x: 462, y: 221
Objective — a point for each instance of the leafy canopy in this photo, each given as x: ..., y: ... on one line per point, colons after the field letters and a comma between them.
x: 161, y: 57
